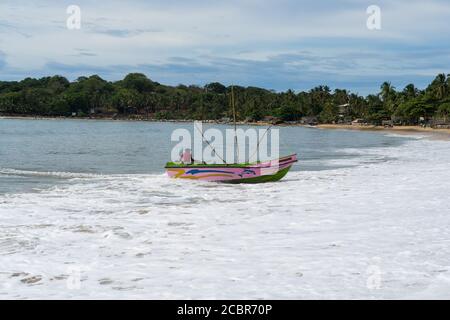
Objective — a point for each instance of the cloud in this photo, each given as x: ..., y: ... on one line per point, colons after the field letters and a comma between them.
x: 276, y: 44
x: 299, y: 71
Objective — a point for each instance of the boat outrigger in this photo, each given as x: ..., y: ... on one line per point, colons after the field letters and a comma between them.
x: 257, y: 172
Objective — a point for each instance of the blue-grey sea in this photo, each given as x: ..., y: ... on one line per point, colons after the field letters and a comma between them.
x: 34, y: 152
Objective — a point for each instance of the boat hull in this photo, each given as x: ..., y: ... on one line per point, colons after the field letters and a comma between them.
x: 239, y: 173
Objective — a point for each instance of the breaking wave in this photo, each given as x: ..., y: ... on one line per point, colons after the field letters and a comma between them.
x: 62, y: 175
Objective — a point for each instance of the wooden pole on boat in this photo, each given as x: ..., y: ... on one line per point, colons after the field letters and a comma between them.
x: 234, y: 120
x: 203, y: 111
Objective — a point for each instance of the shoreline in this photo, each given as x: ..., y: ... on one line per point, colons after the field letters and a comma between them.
x: 240, y: 123
x: 430, y: 132
x: 442, y: 133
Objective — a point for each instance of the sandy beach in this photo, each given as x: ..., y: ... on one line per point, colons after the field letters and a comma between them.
x: 436, y: 133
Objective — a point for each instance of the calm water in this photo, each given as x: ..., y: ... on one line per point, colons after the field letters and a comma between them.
x: 40, y: 153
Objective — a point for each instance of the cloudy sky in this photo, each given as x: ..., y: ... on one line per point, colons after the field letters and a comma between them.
x: 276, y: 44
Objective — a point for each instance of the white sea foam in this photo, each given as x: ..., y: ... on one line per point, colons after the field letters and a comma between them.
x: 378, y: 230
x: 64, y: 175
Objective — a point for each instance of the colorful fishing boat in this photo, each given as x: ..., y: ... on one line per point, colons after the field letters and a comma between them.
x: 259, y: 172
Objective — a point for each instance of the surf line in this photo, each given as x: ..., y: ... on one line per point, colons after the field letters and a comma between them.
x: 201, y: 311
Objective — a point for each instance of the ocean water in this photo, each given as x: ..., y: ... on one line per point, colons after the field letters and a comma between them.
x: 87, y: 212
x: 37, y: 153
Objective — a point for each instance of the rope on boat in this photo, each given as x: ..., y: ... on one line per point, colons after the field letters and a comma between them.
x: 212, y: 148
x: 257, y: 146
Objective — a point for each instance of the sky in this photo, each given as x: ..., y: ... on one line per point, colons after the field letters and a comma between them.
x: 275, y: 44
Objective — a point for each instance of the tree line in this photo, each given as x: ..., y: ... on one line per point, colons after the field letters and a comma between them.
x: 140, y: 97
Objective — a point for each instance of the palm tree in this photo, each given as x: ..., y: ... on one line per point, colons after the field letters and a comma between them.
x: 388, y: 96
x: 439, y: 86
x: 387, y: 90
x: 410, y: 91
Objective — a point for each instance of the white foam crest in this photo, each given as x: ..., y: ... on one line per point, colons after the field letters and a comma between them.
x: 412, y: 135
x: 70, y: 175
x: 64, y: 175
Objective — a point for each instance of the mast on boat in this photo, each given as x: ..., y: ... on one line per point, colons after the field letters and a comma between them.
x: 201, y: 130
x: 236, y: 145
x: 203, y: 112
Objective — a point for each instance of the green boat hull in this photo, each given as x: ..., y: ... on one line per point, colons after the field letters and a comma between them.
x: 262, y: 179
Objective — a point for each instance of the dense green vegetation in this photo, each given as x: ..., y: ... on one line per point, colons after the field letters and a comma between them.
x: 139, y: 97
